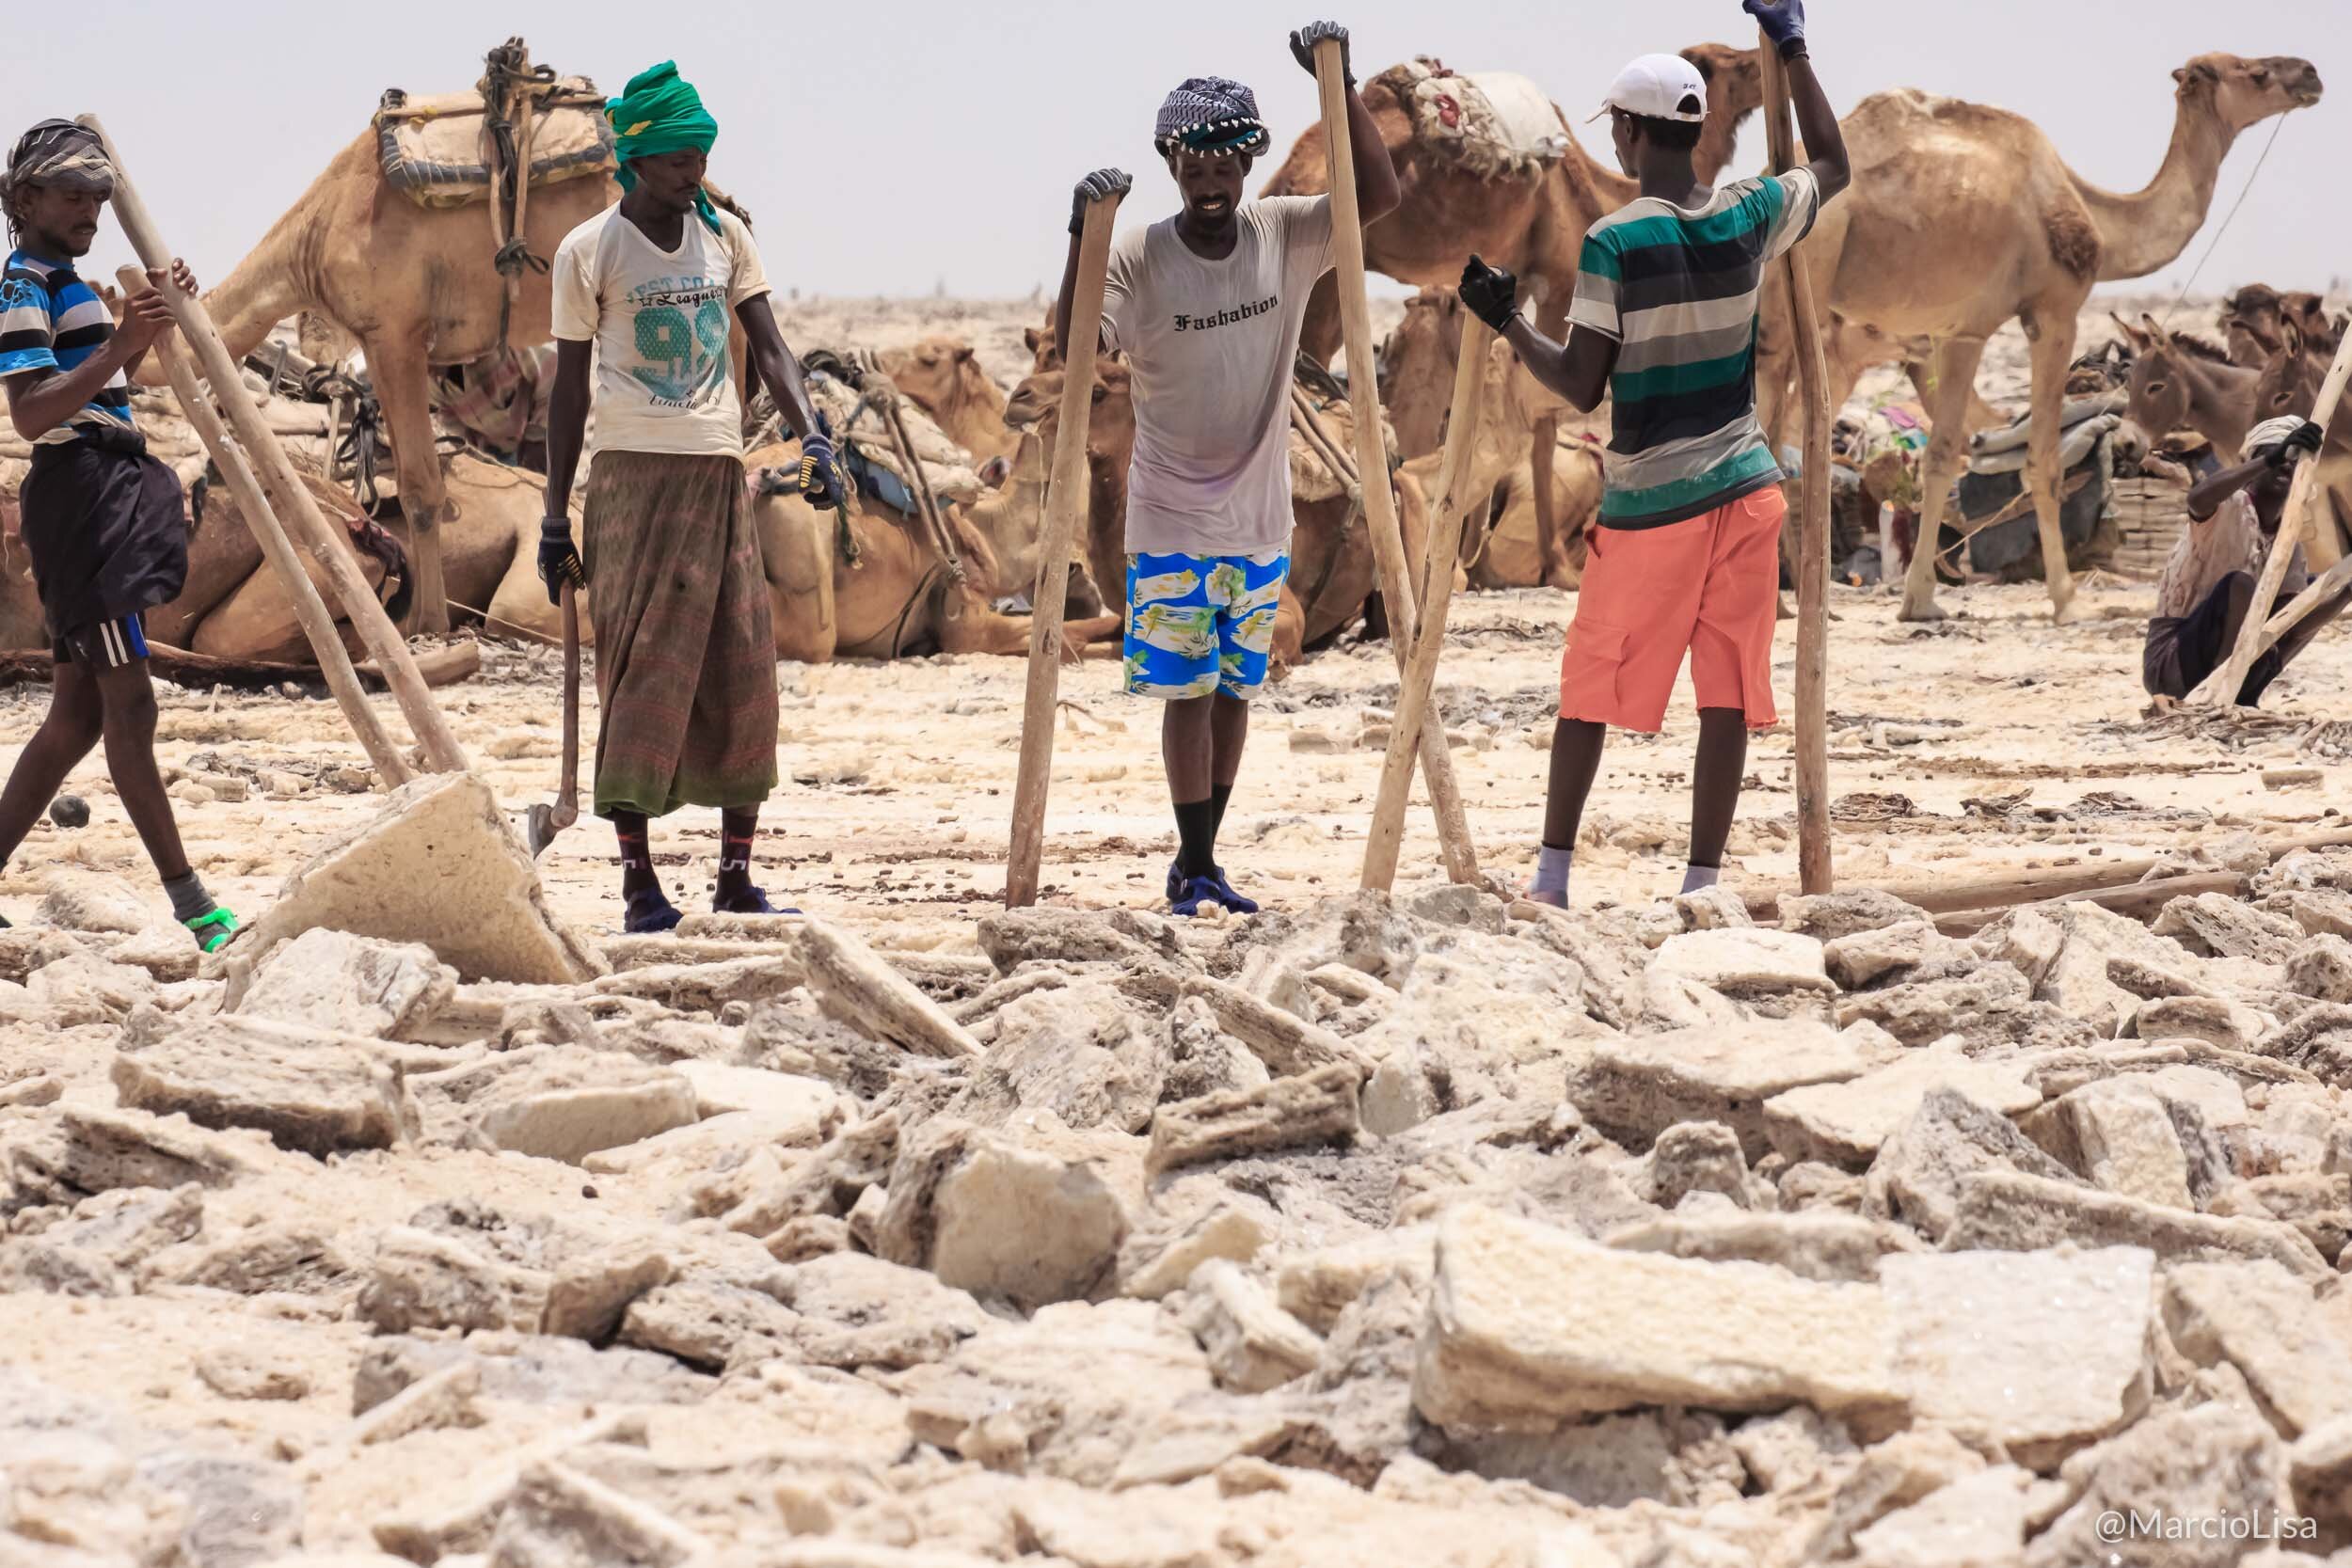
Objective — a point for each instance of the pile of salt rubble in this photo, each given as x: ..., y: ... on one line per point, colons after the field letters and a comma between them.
x: 1383, y: 1232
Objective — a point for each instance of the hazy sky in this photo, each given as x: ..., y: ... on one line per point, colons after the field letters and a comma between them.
x: 894, y: 146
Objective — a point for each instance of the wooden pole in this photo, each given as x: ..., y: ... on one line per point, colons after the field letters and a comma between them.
x: 2335, y: 580
x: 1812, y: 727
x: 276, y: 474
x: 310, y: 610
x: 1372, y: 452
x: 1449, y: 507
x: 1067, y: 491
x: 2299, y: 521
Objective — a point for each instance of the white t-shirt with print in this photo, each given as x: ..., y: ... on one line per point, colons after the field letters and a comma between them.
x: 1211, y: 343
x: 660, y: 320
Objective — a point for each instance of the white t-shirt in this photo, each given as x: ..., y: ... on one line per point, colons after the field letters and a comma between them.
x: 1211, y: 343
x: 660, y: 319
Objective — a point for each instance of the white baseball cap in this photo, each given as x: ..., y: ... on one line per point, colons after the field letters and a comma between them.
x: 1655, y: 86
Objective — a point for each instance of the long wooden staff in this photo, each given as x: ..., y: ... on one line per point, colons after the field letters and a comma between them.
x: 318, y: 625
x: 2298, y: 522
x: 1067, y: 492
x: 1813, y: 858
x: 276, y: 474
x: 1450, y: 506
x: 1372, y: 452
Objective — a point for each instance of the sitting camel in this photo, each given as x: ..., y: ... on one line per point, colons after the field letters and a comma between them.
x: 942, y: 377
x: 1332, y: 572
x: 895, y: 596
x: 1517, y: 207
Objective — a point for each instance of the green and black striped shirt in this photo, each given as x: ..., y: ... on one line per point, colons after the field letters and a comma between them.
x: 1677, y: 288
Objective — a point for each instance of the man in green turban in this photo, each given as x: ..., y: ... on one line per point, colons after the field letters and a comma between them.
x: 686, y: 656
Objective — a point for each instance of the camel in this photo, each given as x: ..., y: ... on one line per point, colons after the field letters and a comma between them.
x: 896, y: 597
x: 1531, y: 221
x: 1505, y: 548
x: 1332, y: 572
x: 418, y: 287
x: 941, y: 376
x: 1961, y: 217
x: 2253, y: 321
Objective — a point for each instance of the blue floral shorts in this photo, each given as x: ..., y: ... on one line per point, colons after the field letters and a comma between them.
x: 1201, y: 623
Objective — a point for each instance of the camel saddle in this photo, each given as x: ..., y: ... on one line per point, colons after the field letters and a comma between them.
x: 437, y: 150
x: 1494, y: 124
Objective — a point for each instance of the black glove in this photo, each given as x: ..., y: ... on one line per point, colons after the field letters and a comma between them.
x: 1783, y: 22
x: 1303, y: 47
x: 822, y: 482
x: 559, y: 561
x: 2305, y: 439
x: 1101, y: 185
x: 1491, y: 294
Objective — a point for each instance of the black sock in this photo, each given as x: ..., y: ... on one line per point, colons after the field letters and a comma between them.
x: 637, y: 878
x: 736, y: 829
x: 1218, y: 796
x: 1196, y: 836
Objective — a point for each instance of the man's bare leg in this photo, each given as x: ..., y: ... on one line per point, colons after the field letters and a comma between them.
x: 1576, y: 747
x: 127, y: 698
x: 1716, y: 777
x: 72, y: 725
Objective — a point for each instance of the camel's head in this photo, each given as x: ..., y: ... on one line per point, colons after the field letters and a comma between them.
x: 1734, y: 78
x: 1036, y: 403
x: 940, y: 373
x: 2246, y: 92
x: 1417, y: 369
x: 1043, y: 354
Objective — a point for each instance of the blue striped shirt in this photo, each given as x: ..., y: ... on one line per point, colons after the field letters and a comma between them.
x: 50, y: 320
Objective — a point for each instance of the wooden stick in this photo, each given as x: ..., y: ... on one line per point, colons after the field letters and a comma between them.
x: 310, y: 610
x: 2140, y: 900
x: 1945, y: 896
x: 1450, y: 508
x: 2336, y: 579
x: 1067, y: 491
x: 1812, y: 567
x: 1372, y: 450
x: 2301, y: 520
x: 276, y: 474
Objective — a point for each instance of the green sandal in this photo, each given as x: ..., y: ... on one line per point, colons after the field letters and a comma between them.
x: 222, y: 922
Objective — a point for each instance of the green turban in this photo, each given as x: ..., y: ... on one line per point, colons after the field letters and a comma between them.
x: 658, y: 113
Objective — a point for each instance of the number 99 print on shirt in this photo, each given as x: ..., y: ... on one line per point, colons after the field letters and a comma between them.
x: 660, y: 321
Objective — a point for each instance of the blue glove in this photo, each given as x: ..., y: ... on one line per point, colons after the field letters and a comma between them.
x: 1783, y: 22
x: 559, y: 560
x: 1303, y: 44
x: 1101, y: 185
x: 822, y: 482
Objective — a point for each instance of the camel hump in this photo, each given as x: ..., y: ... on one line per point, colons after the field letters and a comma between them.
x: 1491, y: 123
x: 431, y: 148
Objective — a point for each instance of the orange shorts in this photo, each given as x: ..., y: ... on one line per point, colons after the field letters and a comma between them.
x: 1708, y: 584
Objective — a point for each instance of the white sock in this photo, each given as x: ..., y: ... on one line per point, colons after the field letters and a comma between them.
x: 1697, y: 877
x: 1551, y: 872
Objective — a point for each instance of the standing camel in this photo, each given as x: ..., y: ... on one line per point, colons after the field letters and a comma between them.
x: 418, y: 287
x: 1531, y: 218
x: 1961, y: 217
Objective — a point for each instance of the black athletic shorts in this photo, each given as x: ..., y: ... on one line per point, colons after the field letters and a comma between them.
x: 104, y: 645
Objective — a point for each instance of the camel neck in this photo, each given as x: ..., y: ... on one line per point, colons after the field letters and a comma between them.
x: 277, y: 278
x: 2146, y: 228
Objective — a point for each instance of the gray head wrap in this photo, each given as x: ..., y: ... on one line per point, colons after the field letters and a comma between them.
x: 1208, y: 114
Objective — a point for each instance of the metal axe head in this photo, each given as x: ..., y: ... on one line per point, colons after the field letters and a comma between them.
x: 539, y: 828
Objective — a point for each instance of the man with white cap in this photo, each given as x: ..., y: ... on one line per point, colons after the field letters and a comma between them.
x: 1686, y: 556
x: 2208, y: 583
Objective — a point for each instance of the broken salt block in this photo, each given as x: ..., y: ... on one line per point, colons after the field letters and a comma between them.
x: 439, y: 864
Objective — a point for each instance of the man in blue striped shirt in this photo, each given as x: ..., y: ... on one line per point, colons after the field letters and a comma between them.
x: 104, y: 523
x: 1686, y: 557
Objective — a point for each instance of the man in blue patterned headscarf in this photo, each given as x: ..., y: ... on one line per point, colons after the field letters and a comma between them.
x: 1207, y: 307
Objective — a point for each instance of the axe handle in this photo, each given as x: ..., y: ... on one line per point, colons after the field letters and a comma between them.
x: 567, y: 797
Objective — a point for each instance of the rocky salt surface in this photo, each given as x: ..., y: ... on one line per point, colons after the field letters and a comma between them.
x: 1378, y: 1230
